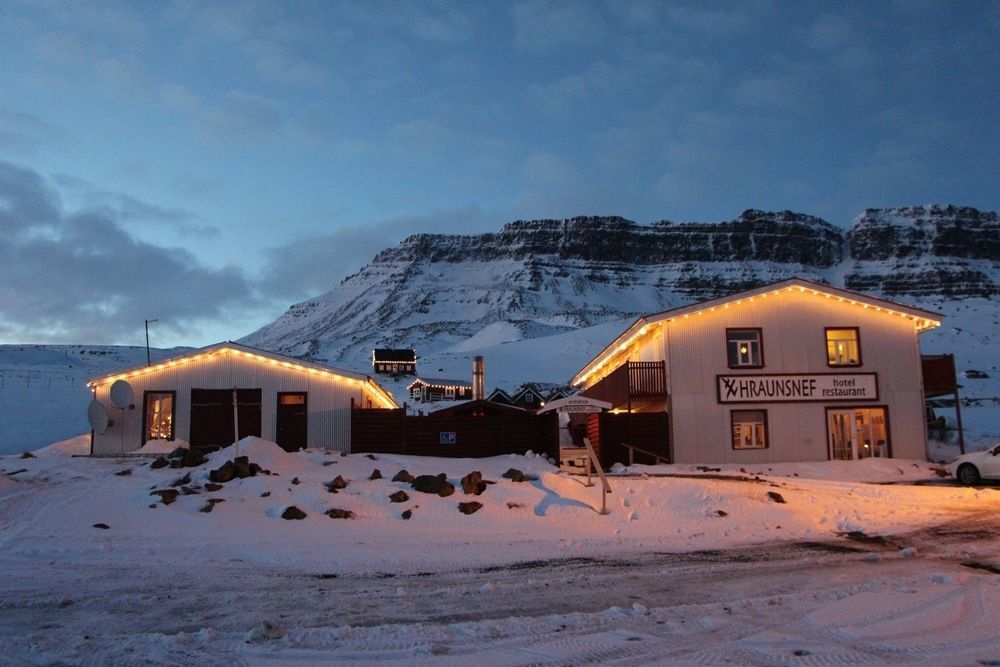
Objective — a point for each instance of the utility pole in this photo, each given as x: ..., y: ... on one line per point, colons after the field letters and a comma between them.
x: 148, y: 363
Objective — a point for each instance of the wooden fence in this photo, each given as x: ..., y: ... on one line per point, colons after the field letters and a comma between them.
x: 453, y: 435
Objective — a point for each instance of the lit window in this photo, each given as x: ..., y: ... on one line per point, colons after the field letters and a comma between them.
x: 160, y: 415
x: 843, y: 347
x: 415, y: 393
x: 749, y: 429
x: 449, y: 392
x: 744, y: 348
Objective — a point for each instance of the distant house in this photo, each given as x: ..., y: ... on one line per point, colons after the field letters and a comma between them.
x: 529, y: 397
x: 559, y: 392
x: 429, y: 390
x: 389, y: 361
x: 500, y: 396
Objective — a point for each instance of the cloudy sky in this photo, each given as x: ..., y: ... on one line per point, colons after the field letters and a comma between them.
x: 208, y: 164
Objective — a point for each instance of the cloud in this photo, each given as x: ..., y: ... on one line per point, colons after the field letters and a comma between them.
x: 242, y: 115
x: 543, y: 25
x: 25, y: 133
x: 317, y: 263
x: 78, y: 275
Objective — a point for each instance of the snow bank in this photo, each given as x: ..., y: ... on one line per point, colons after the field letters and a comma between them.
x: 78, y: 446
x: 161, y: 446
x: 266, y: 454
x: 871, y: 470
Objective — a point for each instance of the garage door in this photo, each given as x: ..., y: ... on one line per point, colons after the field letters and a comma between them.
x: 212, y: 416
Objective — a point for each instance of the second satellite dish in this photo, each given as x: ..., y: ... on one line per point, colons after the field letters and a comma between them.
x: 121, y: 394
x: 97, y: 415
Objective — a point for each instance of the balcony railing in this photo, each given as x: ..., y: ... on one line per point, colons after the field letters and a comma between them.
x: 632, y: 382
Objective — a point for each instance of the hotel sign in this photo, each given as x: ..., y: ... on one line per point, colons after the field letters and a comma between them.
x: 797, y: 387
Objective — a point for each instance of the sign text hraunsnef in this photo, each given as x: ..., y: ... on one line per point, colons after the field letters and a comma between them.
x: 798, y: 387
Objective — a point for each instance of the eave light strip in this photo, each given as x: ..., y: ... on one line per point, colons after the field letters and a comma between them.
x: 920, y: 323
x: 380, y: 393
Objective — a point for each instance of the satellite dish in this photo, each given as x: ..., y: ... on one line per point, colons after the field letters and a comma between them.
x: 121, y: 394
x: 97, y: 415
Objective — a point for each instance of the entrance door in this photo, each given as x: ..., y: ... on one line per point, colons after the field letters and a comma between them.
x: 291, y: 428
x: 212, y: 416
x: 857, y: 433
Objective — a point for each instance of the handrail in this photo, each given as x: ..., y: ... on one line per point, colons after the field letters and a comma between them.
x: 605, y: 486
x: 632, y: 449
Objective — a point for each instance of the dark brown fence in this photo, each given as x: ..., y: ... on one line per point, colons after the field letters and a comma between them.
x: 939, y: 374
x: 645, y: 430
x: 453, y: 435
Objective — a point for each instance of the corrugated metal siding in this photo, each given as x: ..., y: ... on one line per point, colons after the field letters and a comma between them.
x: 329, y: 399
x: 794, y: 342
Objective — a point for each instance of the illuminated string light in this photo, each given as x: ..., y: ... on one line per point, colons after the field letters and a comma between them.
x: 603, y: 362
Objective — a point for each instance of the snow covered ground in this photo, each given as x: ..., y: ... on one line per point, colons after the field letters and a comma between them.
x: 871, y: 562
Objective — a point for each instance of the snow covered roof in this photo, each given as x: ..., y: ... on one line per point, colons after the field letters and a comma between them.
x: 923, y: 319
x: 441, y: 382
x: 228, y: 346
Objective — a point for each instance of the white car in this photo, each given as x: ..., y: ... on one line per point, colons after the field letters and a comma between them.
x: 975, y: 466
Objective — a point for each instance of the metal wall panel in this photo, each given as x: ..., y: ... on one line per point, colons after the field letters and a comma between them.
x: 329, y: 398
x: 794, y: 342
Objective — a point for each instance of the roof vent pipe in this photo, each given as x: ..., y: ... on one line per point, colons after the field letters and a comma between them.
x: 478, y: 379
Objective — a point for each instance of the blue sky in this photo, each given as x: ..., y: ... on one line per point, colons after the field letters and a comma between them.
x: 208, y: 164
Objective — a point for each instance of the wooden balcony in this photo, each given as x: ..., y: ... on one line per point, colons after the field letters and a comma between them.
x: 634, y: 382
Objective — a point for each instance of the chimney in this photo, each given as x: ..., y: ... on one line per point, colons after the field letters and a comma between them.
x: 478, y: 379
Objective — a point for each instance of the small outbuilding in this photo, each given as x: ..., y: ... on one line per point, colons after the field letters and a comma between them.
x: 432, y: 390
x: 389, y: 361
x: 197, y: 398
x: 791, y: 371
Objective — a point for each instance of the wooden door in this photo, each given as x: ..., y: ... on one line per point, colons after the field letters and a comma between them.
x: 291, y: 430
x: 212, y: 416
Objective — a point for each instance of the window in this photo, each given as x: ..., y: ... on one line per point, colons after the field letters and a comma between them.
x: 449, y: 392
x: 416, y: 393
x: 749, y: 429
x: 291, y: 399
x: 159, y: 416
x: 843, y: 347
x: 744, y: 348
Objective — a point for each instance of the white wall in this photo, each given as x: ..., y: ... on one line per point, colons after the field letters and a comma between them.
x: 794, y: 342
x: 328, y: 403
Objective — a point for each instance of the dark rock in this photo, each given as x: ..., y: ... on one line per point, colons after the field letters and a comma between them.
x: 181, y: 481
x: 255, y: 469
x: 707, y: 469
x: 178, y: 453
x: 210, y: 505
x: 376, y: 474
x: 102, y: 526
x: 193, y: 458
x: 124, y: 473
x: 242, y: 465
x: 722, y: 512
x: 265, y: 494
x: 469, y: 507
x: 776, y: 497
x: 975, y: 375
x: 160, y: 462
x: 295, y: 480
x: 338, y: 483
x: 371, y: 456
x: 335, y: 513
x: 514, y: 474
x: 406, y: 515
x: 293, y: 513
x: 27, y: 455
x: 403, y: 476
x: 167, y: 496
x: 210, y: 487
x: 437, y: 484
x: 177, y: 463
x: 513, y: 506
x: 224, y: 473
x: 473, y: 483
x: 399, y: 497
x: 328, y: 463
x: 188, y: 491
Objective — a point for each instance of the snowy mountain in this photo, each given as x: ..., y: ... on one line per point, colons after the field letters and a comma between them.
x: 535, y: 279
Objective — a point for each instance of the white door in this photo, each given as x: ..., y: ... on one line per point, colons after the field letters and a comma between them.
x: 858, y: 433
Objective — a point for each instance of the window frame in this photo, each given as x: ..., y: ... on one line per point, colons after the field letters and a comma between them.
x: 145, y: 413
x: 760, y: 343
x: 826, y: 346
x: 732, y: 425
